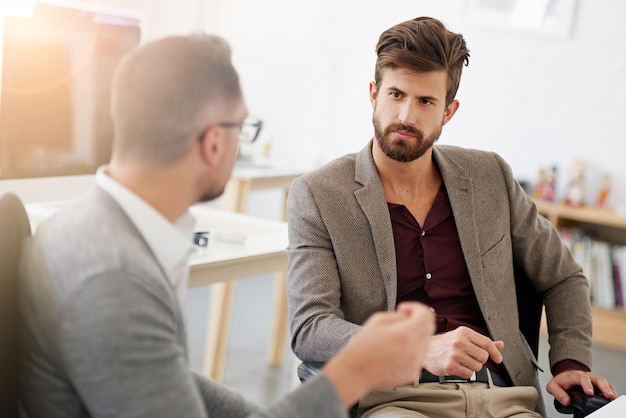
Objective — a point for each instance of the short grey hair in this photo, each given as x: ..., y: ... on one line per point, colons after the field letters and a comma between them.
x: 162, y: 92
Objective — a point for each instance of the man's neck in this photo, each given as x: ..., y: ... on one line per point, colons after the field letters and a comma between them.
x: 165, y: 190
x: 414, y: 184
x: 407, y: 178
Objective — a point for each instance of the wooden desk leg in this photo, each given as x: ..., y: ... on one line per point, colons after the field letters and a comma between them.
x: 221, y: 296
x: 218, y: 324
x: 280, y: 315
x: 235, y: 196
x: 279, y: 322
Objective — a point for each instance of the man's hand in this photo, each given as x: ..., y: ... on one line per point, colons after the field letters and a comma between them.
x: 566, y: 380
x: 388, y: 351
x: 461, y: 352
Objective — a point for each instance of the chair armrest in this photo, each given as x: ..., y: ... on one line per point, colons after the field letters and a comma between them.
x: 581, y: 404
x: 307, y: 370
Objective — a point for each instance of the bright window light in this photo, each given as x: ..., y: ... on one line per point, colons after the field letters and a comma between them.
x: 16, y: 7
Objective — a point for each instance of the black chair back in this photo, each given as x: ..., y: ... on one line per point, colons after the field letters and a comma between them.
x: 529, y: 309
x: 14, y: 228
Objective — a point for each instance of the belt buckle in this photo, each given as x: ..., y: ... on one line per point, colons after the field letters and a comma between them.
x: 457, y: 379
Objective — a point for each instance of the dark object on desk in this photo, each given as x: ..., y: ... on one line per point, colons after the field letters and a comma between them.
x: 15, y: 228
x: 581, y: 404
x: 201, y: 238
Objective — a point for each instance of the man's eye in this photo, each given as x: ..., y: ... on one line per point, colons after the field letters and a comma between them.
x: 426, y: 102
x: 395, y: 94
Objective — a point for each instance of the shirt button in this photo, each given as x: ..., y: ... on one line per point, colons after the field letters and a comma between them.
x: 423, y: 233
x: 429, y: 276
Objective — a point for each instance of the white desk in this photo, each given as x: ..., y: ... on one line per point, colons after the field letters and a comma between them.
x: 262, y: 251
x: 613, y: 409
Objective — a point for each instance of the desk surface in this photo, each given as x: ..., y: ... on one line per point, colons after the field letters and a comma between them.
x: 250, y: 171
x: 258, y: 242
x: 239, y: 245
x: 232, y: 236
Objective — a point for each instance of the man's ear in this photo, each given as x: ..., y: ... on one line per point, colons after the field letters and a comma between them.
x: 211, y: 145
x: 450, y: 111
x: 373, y: 93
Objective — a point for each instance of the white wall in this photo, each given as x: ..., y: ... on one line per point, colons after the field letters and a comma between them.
x: 305, y: 68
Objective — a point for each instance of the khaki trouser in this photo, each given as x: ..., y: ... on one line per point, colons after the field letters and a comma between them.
x: 451, y: 400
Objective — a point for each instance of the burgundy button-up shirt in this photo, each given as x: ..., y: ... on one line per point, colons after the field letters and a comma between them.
x: 432, y: 270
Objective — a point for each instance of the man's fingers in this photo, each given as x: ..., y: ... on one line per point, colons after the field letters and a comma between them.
x: 495, y: 353
x: 587, y: 380
x: 412, y: 309
x: 559, y: 394
x: 607, y: 389
x: 492, y: 348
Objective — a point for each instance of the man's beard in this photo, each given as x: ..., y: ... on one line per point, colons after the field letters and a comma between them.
x: 399, y: 150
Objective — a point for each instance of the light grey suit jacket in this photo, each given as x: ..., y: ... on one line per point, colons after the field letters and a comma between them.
x: 103, y: 332
x: 342, y: 262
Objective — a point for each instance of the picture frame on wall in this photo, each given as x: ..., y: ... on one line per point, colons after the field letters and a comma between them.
x: 547, y: 18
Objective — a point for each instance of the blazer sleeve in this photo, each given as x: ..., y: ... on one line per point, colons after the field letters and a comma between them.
x: 549, y: 264
x: 120, y: 344
x: 315, y: 398
x: 314, y: 289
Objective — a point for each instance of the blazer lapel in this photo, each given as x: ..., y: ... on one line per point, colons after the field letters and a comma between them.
x: 371, y: 198
x: 118, y: 215
x: 461, y: 195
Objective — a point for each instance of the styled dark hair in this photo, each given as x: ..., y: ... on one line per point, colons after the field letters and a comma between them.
x: 163, y: 93
x: 423, y: 44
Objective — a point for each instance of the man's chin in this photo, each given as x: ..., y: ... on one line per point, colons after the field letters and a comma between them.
x: 208, y: 197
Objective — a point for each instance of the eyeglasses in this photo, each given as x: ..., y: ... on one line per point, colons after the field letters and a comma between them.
x: 249, y: 129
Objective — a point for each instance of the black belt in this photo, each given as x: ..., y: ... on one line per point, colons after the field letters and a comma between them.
x: 479, y: 376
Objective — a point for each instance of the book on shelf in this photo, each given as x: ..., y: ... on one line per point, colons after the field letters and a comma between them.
x: 603, y: 264
x: 601, y: 276
x: 619, y: 262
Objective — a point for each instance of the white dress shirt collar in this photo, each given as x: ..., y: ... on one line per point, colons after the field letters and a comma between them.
x: 171, y: 244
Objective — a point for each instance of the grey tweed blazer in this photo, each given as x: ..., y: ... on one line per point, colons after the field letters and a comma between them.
x: 342, y: 263
x: 103, y: 333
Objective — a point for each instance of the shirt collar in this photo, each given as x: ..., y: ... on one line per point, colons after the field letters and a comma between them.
x: 171, y: 243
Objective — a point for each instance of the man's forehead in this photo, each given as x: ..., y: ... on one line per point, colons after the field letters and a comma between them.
x: 432, y: 83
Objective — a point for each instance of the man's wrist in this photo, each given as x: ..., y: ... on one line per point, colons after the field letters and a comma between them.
x: 568, y: 364
x: 346, y: 379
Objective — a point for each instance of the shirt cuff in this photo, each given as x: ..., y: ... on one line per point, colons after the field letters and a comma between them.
x: 568, y: 364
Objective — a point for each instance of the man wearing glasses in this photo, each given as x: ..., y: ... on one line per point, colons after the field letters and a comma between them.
x: 249, y: 129
x: 104, y: 279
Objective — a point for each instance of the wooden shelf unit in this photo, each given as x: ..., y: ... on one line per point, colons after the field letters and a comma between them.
x: 609, y: 326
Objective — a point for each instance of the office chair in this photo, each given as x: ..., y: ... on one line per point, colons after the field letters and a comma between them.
x: 530, y: 306
x: 14, y: 229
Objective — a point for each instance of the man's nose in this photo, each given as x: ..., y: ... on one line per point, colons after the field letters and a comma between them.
x: 408, y: 114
